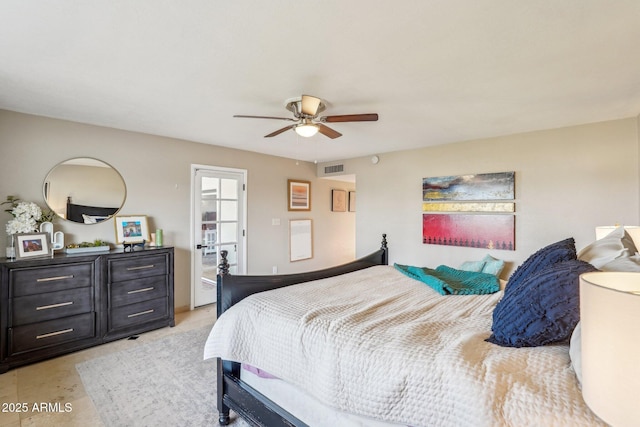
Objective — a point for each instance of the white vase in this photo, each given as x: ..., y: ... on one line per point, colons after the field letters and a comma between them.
x: 47, y: 227
x: 58, y: 241
x: 11, y: 247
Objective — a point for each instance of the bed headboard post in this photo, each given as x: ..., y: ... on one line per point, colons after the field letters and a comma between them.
x: 385, y: 250
x: 223, y: 267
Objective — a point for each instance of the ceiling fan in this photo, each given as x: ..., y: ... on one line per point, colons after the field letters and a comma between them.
x: 305, y: 109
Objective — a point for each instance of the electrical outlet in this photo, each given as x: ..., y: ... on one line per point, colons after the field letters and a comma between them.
x: 275, y: 269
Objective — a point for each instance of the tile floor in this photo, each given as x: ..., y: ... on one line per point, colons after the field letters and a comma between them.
x: 56, y: 383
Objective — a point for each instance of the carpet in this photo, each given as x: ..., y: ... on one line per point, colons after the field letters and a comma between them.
x: 159, y: 383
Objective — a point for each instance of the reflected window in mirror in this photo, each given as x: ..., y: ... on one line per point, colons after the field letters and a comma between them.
x: 84, y: 190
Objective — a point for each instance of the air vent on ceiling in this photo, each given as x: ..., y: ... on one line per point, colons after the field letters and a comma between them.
x: 334, y: 169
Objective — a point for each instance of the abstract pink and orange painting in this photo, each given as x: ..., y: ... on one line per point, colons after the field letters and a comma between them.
x: 474, y: 231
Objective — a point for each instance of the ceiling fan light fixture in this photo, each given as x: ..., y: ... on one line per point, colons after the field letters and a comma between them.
x: 306, y: 130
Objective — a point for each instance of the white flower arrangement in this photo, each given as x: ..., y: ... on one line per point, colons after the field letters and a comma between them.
x: 27, y: 216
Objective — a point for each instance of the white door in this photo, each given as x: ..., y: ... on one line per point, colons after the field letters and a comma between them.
x: 219, y: 223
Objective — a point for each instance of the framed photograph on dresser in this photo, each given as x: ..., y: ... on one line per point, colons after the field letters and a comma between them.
x: 131, y: 229
x: 32, y: 245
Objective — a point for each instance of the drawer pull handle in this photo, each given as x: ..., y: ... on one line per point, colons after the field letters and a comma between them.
x: 142, y: 267
x: 50, y: 279
x: 46, y: 307
x: 141, y: 313
x: 53, y: 334
x: 141, y: 290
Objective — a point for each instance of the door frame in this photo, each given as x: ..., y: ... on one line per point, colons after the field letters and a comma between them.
x: 242, y: 267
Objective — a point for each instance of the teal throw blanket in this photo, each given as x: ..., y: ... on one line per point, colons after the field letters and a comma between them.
x: 449, y: 281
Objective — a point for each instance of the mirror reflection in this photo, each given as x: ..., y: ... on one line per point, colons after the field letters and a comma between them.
x: 84, y: 190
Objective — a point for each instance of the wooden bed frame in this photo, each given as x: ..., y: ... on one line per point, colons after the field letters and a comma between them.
x: 233, y: 393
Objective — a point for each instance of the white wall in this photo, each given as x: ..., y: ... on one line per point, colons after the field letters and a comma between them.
x: 568, y: 181
x: 157, y: 175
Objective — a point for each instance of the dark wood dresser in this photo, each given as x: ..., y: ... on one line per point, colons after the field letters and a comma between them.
x: 53, y: 306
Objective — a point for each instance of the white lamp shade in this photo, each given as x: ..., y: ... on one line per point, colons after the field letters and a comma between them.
x: 610, y: 322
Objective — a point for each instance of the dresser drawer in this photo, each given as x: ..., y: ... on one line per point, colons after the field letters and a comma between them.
x: 133, y: 291
x: 53, y: 332
x: 51, y: 305
x: 136, y: 267
x: 29, y: 281
x: 141, y: 312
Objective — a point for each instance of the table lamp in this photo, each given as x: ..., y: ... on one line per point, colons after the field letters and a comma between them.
x: 610, y: 322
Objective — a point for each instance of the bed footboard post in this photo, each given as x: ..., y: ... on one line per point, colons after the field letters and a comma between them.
x: 223, y: 267
x: 223, y: 410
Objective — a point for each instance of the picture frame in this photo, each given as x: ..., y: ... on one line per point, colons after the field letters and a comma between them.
x: 352, y: 201
x: 298, y: 195
x: 486, y: 231
x: 338, y: 200
x: 32, y: 245
x: 131, y: 229
x: 300, y: 239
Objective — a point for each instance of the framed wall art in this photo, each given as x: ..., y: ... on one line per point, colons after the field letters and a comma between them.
x: 31, y: 245
x: 300, y: 239
x: 131, y: 229
x: 482, y: 186
x: 299, y: 195
x: 352, y: 201
x: 473, y: 231
x: 338, y: 201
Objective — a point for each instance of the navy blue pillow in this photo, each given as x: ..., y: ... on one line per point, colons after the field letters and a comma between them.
x: 541, y: 309
x: 564, y: 250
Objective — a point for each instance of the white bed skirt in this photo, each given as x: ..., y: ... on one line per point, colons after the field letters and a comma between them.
x: 306, y: 408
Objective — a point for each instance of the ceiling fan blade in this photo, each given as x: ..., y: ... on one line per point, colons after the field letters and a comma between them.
x: 309, y: 105
x: 327, y: 131
x: 265, y: 117
x: 279, y: 131
x: 372, y: 117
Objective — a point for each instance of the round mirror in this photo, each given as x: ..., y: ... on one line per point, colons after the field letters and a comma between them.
x: 84, y: 190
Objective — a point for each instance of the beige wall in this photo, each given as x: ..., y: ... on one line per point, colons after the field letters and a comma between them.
x: 568, y: 181
x: 157, y: 174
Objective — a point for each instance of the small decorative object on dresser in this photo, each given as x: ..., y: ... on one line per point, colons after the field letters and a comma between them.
x: 131, y: 229
x: 159, y: 237
x: 95, y: 246
x: 31, y: 245
x: 69, y: 302
x: 28, y: 217
x: 10, y: 251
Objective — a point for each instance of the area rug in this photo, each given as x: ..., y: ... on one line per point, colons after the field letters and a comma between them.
x: 159, y: 383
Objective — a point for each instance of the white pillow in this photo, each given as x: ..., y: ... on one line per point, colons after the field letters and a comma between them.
x: 617, y: 244
x: 631, y: 263
x: 575, y: 352
x: 93, y: 219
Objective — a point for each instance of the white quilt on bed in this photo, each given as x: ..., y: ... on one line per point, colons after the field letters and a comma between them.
x: 380, y: 344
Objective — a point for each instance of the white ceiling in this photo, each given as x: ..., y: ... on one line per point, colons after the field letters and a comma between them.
x: 435, y: 71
